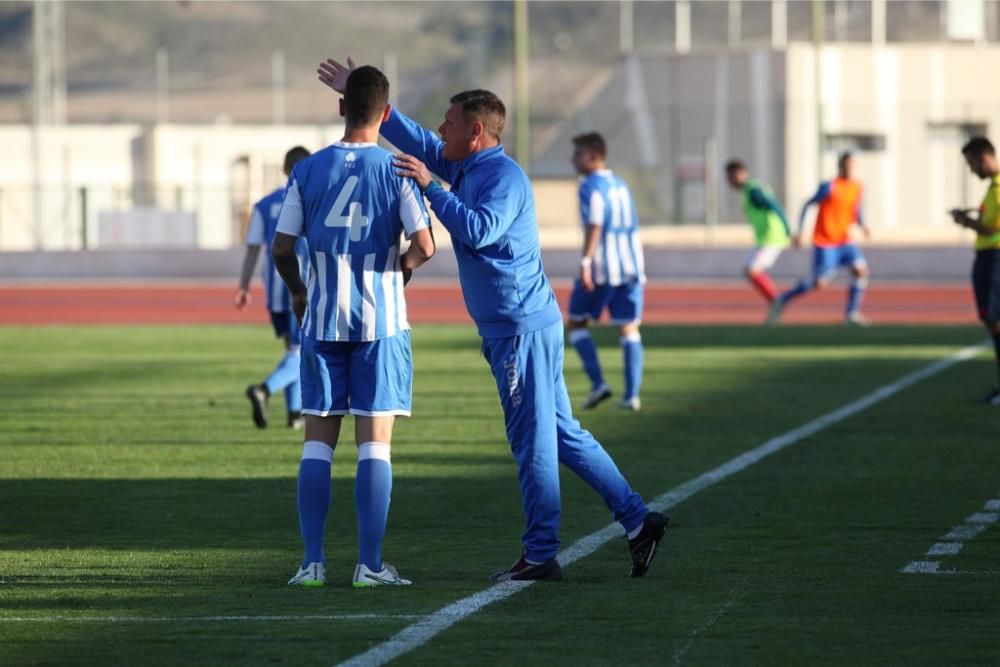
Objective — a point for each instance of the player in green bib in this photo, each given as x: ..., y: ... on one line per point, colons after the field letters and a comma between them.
x: 770, y: 227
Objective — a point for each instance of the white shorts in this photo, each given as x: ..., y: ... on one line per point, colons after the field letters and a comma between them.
x: 762, y: 258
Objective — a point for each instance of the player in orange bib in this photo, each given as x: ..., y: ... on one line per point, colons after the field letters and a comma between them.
x: 839, y: 204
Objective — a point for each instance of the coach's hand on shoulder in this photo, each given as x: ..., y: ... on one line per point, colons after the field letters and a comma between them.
x: 334, y: 75
x: 410, y: 167
x: 242, y: 299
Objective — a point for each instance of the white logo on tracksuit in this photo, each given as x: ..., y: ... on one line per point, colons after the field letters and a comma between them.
x: 513, y: 378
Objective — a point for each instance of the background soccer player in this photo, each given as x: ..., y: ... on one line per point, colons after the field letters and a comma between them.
x: 490, y: 214
x: 612, y: 270
x: 839, y: 204
x: 263, y: 222
x: 982, y: 160
x: 350, y: 204
x: 770, y: 227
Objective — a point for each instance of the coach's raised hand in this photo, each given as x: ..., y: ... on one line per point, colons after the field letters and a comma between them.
x: 334, y: 74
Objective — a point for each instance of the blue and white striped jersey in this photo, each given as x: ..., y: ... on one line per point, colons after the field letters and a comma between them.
x: 351, y: 206
x: 263, y: 222
x: 605, y: 201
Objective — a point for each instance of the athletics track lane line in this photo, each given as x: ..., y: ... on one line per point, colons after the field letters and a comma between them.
x: 419, y: 633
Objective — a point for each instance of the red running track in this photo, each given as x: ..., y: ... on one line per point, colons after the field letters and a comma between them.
x: 671, y: 303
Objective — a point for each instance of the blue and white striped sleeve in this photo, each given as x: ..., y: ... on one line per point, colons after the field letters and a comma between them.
x: 595, y: 209
x: 412, y: 211
x: 255, y: 231
x: 292, y: 219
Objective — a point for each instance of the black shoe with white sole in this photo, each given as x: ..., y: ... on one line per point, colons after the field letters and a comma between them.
x: 258, y: 402
x: 643, y: 547
x: 522, y: 570
x: 597, y: 396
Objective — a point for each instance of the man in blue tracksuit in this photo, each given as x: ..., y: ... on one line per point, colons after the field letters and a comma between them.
x: 490, y: 214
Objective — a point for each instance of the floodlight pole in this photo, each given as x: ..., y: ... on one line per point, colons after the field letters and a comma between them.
x: 278, y: 87
x: 48, y: 92
x: 734, y: 27
x: 391, y: 70
x: 522, y: 87
x: 626, y: 27
x: 162, y: 86
x: 818, y: 29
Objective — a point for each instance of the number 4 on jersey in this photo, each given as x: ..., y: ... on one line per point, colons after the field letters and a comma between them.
x: 355, y: 219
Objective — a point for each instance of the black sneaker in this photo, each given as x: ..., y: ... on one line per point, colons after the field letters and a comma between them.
x: 258, y: 401
x: 643, y: 547
x: 295, y: 421
x: 522, y: 570
x: 993, y: 399
x: 597, y: 396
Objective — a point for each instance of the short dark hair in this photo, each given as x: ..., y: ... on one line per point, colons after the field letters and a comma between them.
x: 591, y: 141
x: 365, y: 96
x: 978, y: 146
x: 844, y: 157
x: 485, y: 107
x: 293, y: 156
x: 735, y: 165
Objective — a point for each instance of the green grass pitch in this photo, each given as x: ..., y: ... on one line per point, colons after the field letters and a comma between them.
x: 134, y: 486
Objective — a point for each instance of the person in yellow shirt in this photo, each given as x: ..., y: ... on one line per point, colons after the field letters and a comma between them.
x: 982, y: 160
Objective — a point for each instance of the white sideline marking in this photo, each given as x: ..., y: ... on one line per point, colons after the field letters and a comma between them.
x: 734, y: 595
x: 922, y: 567
x: 956, y: 538
x: 419, y: 633
x: 945, y: 549
x: 965, y: 531
x: 203, y: 619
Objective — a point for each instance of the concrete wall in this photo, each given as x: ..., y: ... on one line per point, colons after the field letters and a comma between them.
x: 926, y: 264
x: 916, y: 97
x: 214, y: 171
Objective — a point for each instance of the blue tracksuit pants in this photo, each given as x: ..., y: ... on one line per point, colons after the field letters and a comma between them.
x: 542, y: 433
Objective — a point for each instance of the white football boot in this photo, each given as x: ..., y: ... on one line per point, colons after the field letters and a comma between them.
x: 312, y: 575
x: 363, y: 577
x: 631, y: 404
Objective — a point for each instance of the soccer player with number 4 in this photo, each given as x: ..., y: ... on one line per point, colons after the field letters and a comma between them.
x: 352, y: 206
x: 490, y: 214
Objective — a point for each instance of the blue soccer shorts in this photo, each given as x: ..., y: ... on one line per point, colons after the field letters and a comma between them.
x: 828, y: 259
x: 372, y: 378
x: 285, y: 324
x: 624, y: 303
